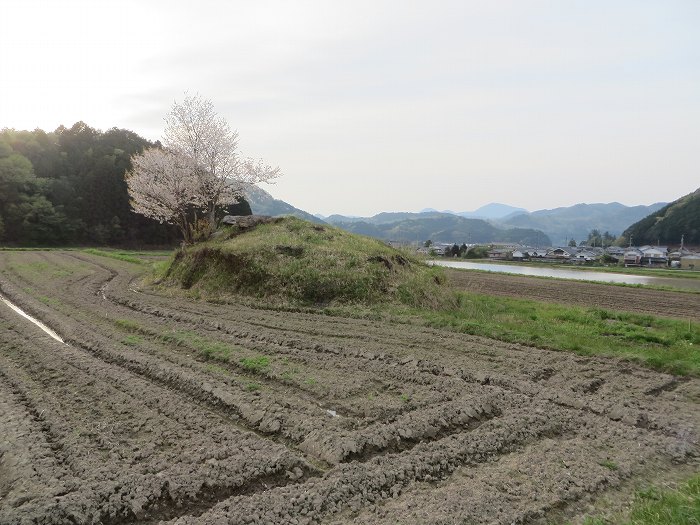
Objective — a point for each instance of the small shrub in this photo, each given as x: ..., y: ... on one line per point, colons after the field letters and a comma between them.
x: 132, y: 340
x: 128, y: 325
x: 609, y: 465
x: 255, y: 364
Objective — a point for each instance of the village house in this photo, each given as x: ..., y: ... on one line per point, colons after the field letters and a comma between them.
x: 500, y: 253
x: 584, y: 256
x: 655, y: 256
x: 520, y: 255
x: 632, y: 257
x: 561, y: 253
x: 615, y: 252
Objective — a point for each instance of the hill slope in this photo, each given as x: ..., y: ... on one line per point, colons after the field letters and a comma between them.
x: 667, y: 225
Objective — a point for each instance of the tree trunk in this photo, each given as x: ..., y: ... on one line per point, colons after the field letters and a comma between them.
x: 185, y: 229
x: 212, y: 217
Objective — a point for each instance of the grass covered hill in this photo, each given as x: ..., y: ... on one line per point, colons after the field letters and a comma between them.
x: 292, y: 260
x: 667, y: 225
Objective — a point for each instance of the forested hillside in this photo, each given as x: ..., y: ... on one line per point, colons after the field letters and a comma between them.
x: 67, y: 187
x: 667, y: 225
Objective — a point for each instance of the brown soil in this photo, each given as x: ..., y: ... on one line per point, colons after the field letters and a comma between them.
x: 165, y: 409
x: 682, y: 305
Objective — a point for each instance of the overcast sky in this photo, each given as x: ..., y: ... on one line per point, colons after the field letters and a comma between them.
x: 372, y: 106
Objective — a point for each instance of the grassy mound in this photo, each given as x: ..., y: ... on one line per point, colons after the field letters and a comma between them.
x: 297, y: 261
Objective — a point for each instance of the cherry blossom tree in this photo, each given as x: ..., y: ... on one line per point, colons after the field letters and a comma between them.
x: 194, y: 130
x: 161, y: 186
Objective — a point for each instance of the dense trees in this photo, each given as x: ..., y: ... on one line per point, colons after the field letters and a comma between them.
x: 68, y: 187
x: 596, y: 238
x: 679, y: 219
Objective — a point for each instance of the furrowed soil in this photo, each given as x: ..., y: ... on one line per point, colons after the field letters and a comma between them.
x: 161, y: 409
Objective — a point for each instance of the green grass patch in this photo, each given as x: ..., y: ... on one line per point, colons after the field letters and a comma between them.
x: 609, y: 465
x: 120, y: 256
x: 42, y: 268
x: 207, y: 348
x: 655, y: 506
x: 668, y: 507
x: 255, y: 364
x: 663, y: 344
x: 128, y: 325
x: 132, y: 340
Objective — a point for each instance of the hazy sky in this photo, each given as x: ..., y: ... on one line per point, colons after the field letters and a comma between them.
x: 376, y: 105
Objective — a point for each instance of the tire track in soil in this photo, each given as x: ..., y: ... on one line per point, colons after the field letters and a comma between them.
x: 475, y: 403
x: 38, y: 378
x: 201, y: 389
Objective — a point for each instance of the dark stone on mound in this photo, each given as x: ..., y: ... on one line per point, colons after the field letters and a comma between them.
x: 247, y: 221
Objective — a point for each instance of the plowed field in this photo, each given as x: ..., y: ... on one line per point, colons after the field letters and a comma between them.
x: 159, y: 409
x: 683, y: 305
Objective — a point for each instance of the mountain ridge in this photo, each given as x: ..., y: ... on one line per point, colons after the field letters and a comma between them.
x: 667, y: 225
x: 558, y: 225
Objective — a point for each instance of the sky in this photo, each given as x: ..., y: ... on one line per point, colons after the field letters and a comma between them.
x: 387, y: 105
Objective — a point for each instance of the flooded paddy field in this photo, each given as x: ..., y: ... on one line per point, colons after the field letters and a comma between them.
x: 157, y: 409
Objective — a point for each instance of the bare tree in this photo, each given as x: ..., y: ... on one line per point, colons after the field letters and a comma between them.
x: 161, y: 186
x: 194, y: 130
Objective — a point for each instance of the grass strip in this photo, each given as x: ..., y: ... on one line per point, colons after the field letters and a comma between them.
x: 120, y: 256
x: 654, y: 506
x: 668, y: 507
x: 668, y: 345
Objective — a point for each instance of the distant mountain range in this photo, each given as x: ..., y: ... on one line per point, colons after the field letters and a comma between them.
x: 492, y: 222
x: 438, y: 227
x: 495, y: 210
x: 575, y: 222
x: 669, y: 223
